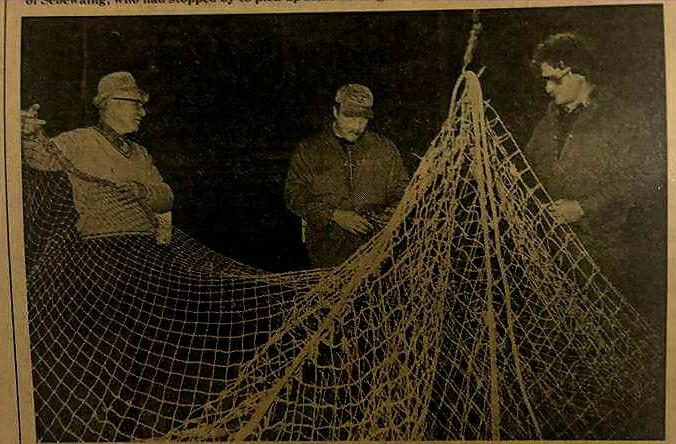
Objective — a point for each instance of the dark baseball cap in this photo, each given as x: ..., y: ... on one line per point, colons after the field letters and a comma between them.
x: 355, y: 100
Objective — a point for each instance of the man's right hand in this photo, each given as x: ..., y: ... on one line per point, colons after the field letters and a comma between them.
x: 34, y: 142
x: 31, y: 125
x: 351, y: 221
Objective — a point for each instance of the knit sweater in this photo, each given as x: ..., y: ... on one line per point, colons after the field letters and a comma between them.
x: 101, y: 208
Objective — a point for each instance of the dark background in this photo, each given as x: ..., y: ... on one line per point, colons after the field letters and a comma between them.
x: 231, y: 95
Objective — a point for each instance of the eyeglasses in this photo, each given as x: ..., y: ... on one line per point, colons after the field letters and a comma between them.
x: 139, y: 103
x: 557, y: 80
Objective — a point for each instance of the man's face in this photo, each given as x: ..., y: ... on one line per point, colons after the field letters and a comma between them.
x: 349, y: 128
x: 562, y: 85
x: 123, y: 115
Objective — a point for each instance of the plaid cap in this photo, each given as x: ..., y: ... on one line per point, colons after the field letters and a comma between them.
x: 119, y: 85
x: 355, y: 100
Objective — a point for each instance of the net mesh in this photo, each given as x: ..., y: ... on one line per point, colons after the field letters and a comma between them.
x: 471, y: 315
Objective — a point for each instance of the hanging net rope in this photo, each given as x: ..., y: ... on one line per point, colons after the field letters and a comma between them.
x: 471, y: 315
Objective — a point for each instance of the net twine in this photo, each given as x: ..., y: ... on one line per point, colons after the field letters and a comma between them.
x: 471, y: 315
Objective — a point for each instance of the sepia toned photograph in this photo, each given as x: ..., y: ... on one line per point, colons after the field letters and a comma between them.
x: 334, y: 226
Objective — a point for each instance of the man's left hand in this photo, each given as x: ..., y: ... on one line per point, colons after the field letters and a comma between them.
x: 566, y: 211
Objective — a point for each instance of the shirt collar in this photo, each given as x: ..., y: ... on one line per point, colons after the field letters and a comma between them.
x: 119, y: 142
x: 584, y: 103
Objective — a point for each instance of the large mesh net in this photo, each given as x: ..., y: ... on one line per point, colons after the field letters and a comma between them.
x: 471, y: 315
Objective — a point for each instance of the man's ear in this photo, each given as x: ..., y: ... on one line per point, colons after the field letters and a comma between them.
x: 101, y: 109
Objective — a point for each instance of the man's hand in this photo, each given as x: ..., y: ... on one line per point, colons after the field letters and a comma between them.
x: 34, y: 142
x: 351, y: 221
x: 31, y: 125
x: 132, y: 191
x: 566, y: 211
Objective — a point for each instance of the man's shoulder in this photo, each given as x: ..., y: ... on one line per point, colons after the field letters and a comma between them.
x: 621, y: 116
x: 76, y: 134
x: 377, y: 138
x: 317, y: 145
x: 318, y: 138
x: 377, y: 141
x: 606, y: 103
x: 87, y: 141
x: 380, y: 146
x: 75, y: 143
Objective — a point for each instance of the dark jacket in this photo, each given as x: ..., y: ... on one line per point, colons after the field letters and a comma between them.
x: 614, y: 165
x: 319, y: 181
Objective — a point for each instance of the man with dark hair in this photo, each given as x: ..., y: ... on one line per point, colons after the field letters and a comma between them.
x: 345, y: 181
x: 569, y: 47
x: 603, y: 166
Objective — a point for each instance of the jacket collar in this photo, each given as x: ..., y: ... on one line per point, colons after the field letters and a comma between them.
x: 337, y: 141
x: 597, y: 99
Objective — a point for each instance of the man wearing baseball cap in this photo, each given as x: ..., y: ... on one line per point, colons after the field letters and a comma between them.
x: 116, y: 188
x: 344, y: 182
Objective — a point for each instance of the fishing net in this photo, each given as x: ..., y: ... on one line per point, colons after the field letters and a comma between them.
x: 471, y: 315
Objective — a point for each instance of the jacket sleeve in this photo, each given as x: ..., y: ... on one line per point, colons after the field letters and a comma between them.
x: 47, y: 154
x: 532, y: 149
x: 36, y: 154
x: 398, y: 178
x: 636, y: 170
x: 158, y: 194
x: 298, y: 191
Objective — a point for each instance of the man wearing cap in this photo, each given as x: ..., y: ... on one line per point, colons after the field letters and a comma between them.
x: 116, y: 188
x: 345, y: 181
